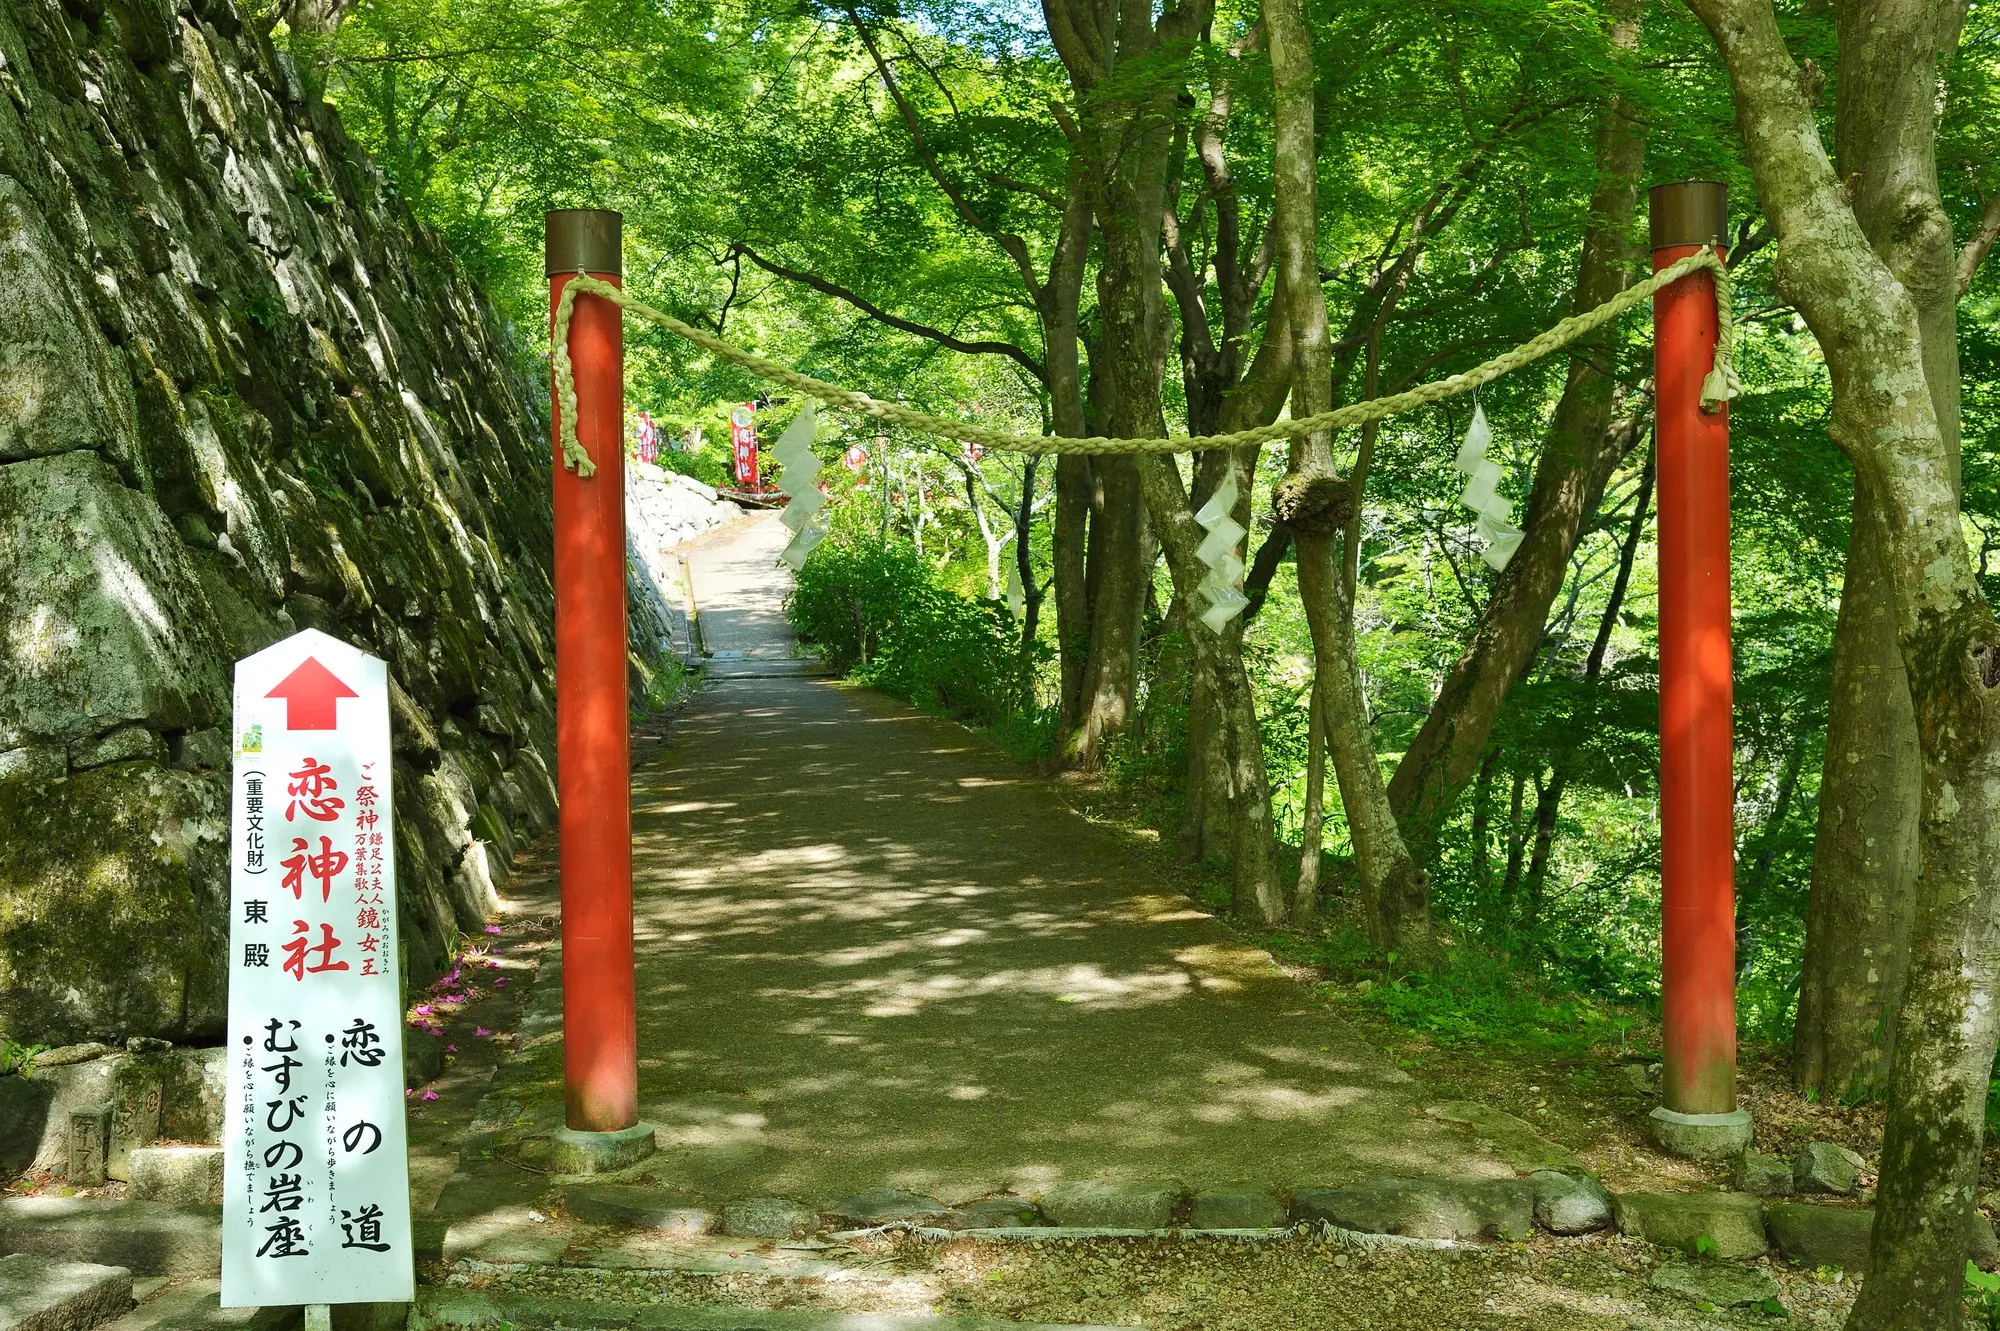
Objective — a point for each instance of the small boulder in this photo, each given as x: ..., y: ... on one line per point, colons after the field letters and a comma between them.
x: 1731, y: 1221
x: 1716, y: 1283
x: 1825, y: 1168
x: 1244, y: 1206
x: 1424, y: 1208
x: 636, y: 1207
x: 1763, y: 1175
x: 1090, y: 1204
x: 995, y: 1213
x: 1566, y: 1204
x: 883, y: 1206
x: 767, y: 1218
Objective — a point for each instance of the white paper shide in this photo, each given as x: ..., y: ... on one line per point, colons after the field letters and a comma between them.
x: 316, y: 1185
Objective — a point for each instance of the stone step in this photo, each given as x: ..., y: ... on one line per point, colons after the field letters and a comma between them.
x: 47, y: 1294
x: 146, y: 1238
x: 447, y: 1310
x: 196, y: 1305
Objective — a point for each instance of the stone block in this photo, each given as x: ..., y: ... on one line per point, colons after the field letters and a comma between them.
x: 883, y: 1206
x: 1570, y: 1204
x: 1732, y: 1221
x: 1243, y: 1206
x: 135, y: 1116
x: 637, y: 1207
x: 1093, y: 1204
x: 1824, y: 1168
x: 1763, y: 1175
x: 573, y: 1152
x: 768, y: 1218
x: 1814, y: 1235
x: 89, y: 1141
x: 146, y: 1238
x: 995, y: 1213
x: 47, y: 1294
x: 1716, y: 1283
x: 183, y: 1174
x: 1701, y: 1136
x: 1465, y: 1208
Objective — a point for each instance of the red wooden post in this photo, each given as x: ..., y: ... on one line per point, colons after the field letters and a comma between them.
x: 1698, y: 1115
x: 593, y: 776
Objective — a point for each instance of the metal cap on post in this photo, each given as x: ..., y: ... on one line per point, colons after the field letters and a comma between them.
x: 1688, y: 212
x: 592, y: 239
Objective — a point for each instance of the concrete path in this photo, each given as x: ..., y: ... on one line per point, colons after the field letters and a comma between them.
x: 872, y: 951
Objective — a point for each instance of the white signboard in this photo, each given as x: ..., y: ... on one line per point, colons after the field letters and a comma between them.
x: 316, y: 1203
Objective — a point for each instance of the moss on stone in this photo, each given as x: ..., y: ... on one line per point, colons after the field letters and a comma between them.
x: 109, y: 919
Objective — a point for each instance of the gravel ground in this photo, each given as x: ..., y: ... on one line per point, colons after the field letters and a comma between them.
x: 1594, y: 1284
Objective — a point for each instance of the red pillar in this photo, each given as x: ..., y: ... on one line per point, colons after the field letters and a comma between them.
x: 593, y: 763
x: 1697, y: 800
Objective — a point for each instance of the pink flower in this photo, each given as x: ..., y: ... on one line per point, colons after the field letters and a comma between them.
x: 451, y: 1049
x: 408, y: 1094
x: 481, y: 1031
x: 423, y: 1009
x: 430, y: 1095
x: 500, y: 983
x: 492, y: 928
x: 493, y: 965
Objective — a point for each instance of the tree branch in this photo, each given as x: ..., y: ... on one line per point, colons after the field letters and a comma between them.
x: 880, y: 315
x: 1981, y: 243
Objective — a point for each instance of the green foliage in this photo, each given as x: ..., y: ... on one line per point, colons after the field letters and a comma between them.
x: 1982, y: 1290
x: 16, y: 1057
x: 878, y: 613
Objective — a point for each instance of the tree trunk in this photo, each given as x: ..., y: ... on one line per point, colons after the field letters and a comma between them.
x: 1069, y: 542
x: 1868, y: 325
x: 1117, y: 587
x: 1312, y: 833
x: 1577, y: 457
x: 1315, y: 504
x: 1865, y: 858
x: 1865, y: 847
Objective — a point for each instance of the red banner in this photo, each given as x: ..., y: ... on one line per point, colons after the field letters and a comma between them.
x: 743, y: 438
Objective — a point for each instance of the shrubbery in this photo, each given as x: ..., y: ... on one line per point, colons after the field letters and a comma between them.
x: 879, y: 614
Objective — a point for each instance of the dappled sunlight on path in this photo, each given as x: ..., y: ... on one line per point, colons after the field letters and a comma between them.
x: 873, y: 951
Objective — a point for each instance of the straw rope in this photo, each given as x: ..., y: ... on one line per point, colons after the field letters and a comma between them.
x: 1720, y: 385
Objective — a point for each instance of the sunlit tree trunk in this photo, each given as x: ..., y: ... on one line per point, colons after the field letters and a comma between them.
x: 1865, y: 856
x: 1870, y: 327
x: 1315, y: 503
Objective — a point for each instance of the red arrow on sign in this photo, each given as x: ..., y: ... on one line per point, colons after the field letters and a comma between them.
x: 312, y: 696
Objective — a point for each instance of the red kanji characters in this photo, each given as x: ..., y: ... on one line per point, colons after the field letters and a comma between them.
x: 324, y: 866
x: 300, y: 944
x: 308, y: 787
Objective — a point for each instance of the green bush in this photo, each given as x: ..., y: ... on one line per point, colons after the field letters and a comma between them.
x: 877, y: 613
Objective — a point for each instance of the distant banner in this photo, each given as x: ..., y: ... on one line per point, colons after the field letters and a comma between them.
x: 743, y: 437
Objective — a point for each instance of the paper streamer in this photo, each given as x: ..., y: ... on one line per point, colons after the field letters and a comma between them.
x: 1496, y: 515
x: 799, y: 480
x: 1218, y: 552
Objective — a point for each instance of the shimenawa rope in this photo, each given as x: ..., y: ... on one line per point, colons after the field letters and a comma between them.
x: 1720, y: 385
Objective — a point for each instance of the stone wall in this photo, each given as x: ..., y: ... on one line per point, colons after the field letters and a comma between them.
x: 242, y: 392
